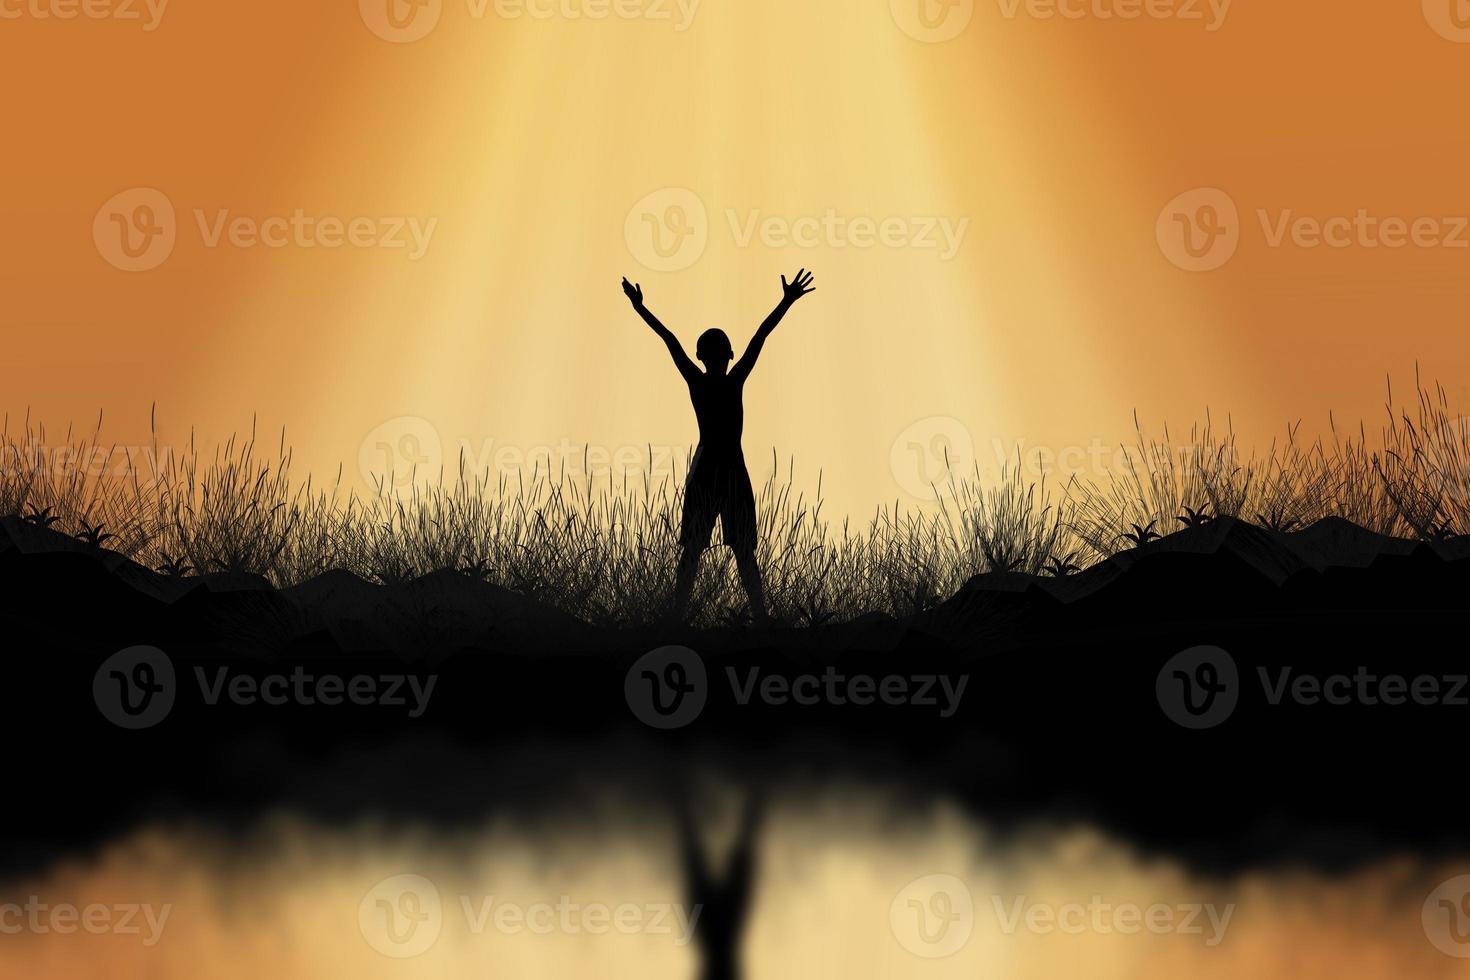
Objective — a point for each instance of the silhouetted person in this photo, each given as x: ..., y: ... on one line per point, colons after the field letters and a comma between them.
x: 723, y: 901
x: 718, y: 483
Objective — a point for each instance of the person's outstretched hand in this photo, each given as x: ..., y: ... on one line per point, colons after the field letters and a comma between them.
x: 635, y: 293
x: 798, y: 287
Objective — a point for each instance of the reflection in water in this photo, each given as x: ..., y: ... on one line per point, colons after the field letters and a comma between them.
x: 722, y: 895
x: 840, y: 890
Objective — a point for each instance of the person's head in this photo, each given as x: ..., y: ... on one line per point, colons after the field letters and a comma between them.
x: 714, y: 350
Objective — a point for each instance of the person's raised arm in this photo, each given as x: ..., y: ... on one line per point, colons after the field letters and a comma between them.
x: 790, y: 293
x: 681, y: 360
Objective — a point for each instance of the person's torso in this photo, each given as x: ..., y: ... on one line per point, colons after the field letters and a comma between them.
x: 718, y: 407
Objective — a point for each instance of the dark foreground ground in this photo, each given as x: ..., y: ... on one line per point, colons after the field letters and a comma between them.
x: 1072, y: 705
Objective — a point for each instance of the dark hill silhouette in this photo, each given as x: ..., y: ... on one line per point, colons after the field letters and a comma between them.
x: 1227, y: 562
x: 1060, y: 718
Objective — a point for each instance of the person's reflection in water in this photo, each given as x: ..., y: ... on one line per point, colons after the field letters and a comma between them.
x: 722, y: 901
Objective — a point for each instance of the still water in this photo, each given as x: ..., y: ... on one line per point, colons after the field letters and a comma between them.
x: 841, y: 888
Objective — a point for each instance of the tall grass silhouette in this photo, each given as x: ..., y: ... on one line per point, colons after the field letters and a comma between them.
x: 605, y: 550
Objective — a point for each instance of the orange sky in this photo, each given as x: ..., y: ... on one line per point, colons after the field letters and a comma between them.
x: 521, y: 144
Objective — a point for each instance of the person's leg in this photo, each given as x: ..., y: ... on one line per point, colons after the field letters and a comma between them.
x: 750, y: 577
x: 694, y: 534
x: 737, y: 517
x: 684, y: 580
